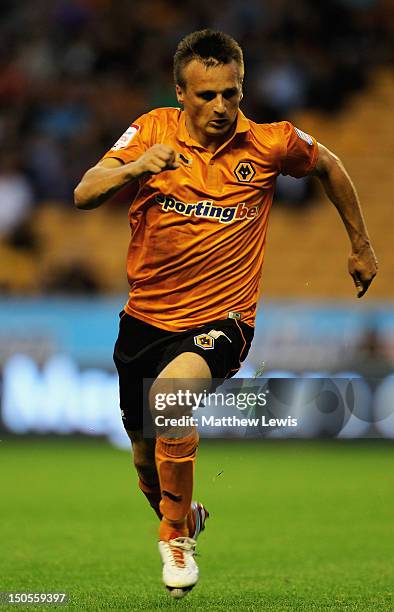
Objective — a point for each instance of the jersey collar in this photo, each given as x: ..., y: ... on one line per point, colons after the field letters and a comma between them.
x: 183, y: 135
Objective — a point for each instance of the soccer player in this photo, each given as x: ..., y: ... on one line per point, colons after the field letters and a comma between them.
x: 200, y: 179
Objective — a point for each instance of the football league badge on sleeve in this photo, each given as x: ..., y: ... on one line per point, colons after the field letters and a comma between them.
x: 126, y: 137
x: 304, y: 136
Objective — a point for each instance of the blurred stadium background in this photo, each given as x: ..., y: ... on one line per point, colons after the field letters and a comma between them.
x: 73, y: 75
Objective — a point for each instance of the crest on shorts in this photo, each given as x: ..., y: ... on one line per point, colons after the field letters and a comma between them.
x: 204, y: 341
x: 244, y: 171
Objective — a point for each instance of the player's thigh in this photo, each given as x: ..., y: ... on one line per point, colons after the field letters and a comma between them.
x: 131, y: 395
x: 186, y: 365
x: 187, y: 372
x: 135, y: 371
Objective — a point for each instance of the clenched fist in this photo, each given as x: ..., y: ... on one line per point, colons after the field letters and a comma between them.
x: 363, y: 267
x: 156, y: 159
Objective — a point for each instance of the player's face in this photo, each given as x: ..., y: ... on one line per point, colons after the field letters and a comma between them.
x: 210, y: 99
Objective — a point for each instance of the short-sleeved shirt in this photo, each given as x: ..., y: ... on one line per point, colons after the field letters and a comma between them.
x: 198, y: 232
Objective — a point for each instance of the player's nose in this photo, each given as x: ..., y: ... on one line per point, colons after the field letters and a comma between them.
x: 220, y: 107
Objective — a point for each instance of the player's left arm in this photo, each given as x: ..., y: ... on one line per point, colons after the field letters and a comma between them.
x: 362, y: 263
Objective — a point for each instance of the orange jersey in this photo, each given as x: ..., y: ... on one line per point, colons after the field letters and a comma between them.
x: 198, y: 232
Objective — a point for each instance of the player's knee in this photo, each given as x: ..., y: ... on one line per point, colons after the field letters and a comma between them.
x: 146, y: 471
x: 136, y: 435
x: 167, y: 412
x: 166, y: 399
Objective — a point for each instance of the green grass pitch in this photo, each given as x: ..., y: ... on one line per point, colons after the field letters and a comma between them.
x: 294, y: 526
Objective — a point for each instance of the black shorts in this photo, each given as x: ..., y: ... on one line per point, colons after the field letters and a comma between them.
x: 142, y: 351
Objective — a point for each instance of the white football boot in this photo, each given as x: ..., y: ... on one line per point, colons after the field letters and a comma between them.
x: 180, y: 571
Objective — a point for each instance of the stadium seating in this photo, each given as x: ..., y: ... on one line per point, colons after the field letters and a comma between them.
x: 307, y: 251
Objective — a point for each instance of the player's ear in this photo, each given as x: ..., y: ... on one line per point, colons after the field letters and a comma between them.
x: 179, y: 94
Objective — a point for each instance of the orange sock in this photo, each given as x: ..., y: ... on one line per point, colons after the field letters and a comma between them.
x: 152, y: 494
x: 169, y: 531
x: 175, y: 458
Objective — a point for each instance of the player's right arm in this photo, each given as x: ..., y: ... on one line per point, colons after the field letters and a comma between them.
x: 110, y: 175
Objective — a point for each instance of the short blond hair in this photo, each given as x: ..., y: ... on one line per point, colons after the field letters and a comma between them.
x: 210, y: 47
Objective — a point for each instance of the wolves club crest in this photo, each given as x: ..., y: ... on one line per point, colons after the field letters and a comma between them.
x: 244, y: 171
x: 204, y: 341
